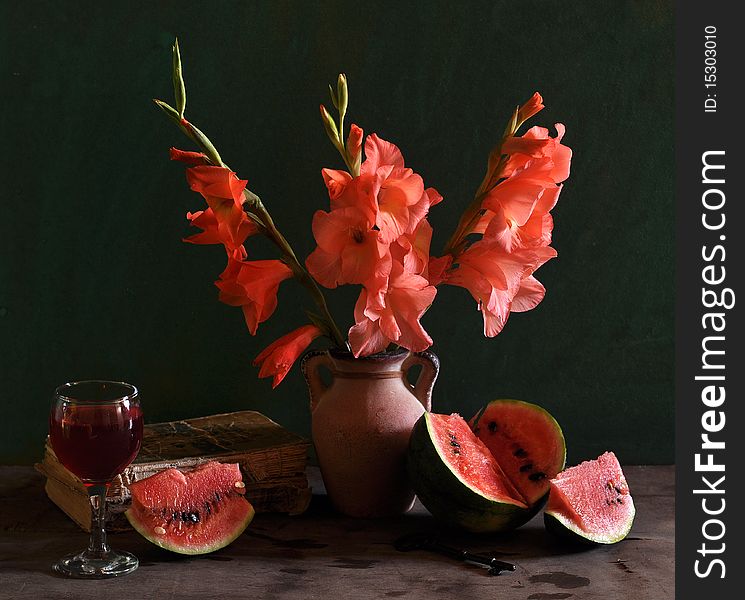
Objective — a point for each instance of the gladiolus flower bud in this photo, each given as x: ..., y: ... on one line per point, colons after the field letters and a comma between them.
x: 342, y: 94
x: 330, y: 126
x: 530, y: 108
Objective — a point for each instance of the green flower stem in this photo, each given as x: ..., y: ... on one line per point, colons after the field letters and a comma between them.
x: 258, y: 213
x: 300, y: 272
x: 253, y: 205
x: 471, y: 215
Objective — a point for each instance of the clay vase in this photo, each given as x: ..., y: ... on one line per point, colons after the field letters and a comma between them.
x: 361, y: 425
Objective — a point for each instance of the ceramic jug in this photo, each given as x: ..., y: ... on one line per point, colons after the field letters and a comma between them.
x: 361, y: 423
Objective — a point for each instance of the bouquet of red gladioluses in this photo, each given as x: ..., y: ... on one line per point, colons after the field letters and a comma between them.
x: 376, y: 234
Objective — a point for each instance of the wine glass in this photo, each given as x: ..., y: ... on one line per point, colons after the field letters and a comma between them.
x: 95, y: 428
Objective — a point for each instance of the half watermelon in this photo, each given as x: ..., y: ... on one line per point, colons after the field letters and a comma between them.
x: 492, y: 480
x: 191, y: 512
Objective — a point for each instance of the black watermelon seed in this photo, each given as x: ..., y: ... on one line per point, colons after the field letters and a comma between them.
x: 608, y: 502
x: 185, y: 516
x: 618, y: 489
x: 208, y: 508
x: 537, y: 476
x: 526, y: 467
x: 493, y: 426
x: 619, y: 500
x: 195, y: 517
x: 520, y: 453
x: 217, y: 496
x: 176, y: 516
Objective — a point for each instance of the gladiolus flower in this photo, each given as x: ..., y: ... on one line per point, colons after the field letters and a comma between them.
x: 396, y: 319
x: 401, y: 190
x: 495, y: 278
x: 506, y: 228
x: 277, y: 358
x: 412, y: 249
x: 253, y: 286
x: 231, y: 233
x: 517, y: 209
x: 218, y: 185
x: 224, y: 221
x: 538, y: 144
x: 347, y: 192
x: 349, y: 250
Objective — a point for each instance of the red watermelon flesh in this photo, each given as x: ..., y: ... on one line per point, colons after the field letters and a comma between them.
x: 471, y: 460
x: 191, y: 512
x: 526, y: 441
x: 593, y: 500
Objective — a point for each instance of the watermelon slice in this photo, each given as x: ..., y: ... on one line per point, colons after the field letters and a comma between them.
x: 526, y: 441
x: 191, y: 512
x: 457, y: 478
x: 591, y: 502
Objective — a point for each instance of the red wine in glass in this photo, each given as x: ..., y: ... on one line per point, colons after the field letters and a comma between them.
x: 96, y: 442
x: 95, y: 429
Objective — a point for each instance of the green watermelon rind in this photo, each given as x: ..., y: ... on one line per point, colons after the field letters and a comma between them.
x: 451, y: 499
x: 564, y: 527
x: 559, y: 466
x: 143, y: 529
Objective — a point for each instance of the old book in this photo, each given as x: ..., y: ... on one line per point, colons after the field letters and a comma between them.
x: 271, y: 458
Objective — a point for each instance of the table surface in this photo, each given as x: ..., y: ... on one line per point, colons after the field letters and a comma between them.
x: 323, y: 555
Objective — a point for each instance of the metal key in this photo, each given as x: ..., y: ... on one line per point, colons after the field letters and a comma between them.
x: 425, y: 541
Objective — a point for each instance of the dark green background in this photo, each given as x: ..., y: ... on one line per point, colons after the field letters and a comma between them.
x: 95, y: 283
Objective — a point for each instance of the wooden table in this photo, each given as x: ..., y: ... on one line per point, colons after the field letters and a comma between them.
x: 323, y: 555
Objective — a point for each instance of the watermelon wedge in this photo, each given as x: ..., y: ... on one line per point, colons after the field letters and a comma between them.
x: 591, y: 502
x: 191, y: 512
x: 526, y: 441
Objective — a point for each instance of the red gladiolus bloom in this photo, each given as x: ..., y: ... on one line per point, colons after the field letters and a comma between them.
x: 231, y: 232
x: 511, y: 232
x: 538, y: 144
x: 517, y: 209
x: 412, y: 249
x: 253, y: 286
x: 402, y: 201
x: 495, y: 278
x: 394, y: 319
x: 348, y: 192
x: 224, y: 221
x: 349, y: 250
x: 277, y: 358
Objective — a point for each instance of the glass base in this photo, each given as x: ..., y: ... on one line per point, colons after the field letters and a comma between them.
x: 89, y: 565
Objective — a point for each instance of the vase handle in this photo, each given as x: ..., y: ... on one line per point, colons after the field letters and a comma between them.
x: 309, y: 366
x: 422, y: 389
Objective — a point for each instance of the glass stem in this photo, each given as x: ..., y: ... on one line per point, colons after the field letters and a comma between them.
x: 97, y: 547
